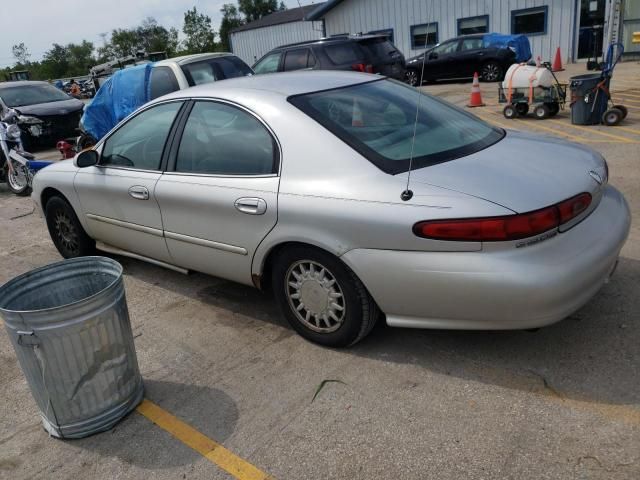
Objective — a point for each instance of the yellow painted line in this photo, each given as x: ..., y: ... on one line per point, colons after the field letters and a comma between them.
x: 624, y: 94
x: 592, y: 131
x: 627, y: 129
x: 192, y: 438
x: 623, y: 99
x: 555, y: 132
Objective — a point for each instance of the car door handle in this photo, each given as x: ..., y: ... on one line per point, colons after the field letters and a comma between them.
x: 139, y: 192
x: 251, y: 205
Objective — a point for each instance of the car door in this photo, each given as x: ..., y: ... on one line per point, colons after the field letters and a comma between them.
x: 219, y: 196
x: 471, y: 56
x: 441, y: 61
x: 118, y: 196
x: 270, y: 63
x: 297, y: 59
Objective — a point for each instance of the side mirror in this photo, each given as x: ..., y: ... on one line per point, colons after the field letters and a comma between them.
x: 87, y: 158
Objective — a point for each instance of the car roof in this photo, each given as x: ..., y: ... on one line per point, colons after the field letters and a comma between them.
x: 22, y: 83
x: 330, y: 40
x: 193, y: 58
x: 284, y: 84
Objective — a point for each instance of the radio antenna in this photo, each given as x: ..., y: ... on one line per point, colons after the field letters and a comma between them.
x: 407, y: 194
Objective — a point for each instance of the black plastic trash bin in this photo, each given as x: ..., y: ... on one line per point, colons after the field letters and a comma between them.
x: 588, y: 101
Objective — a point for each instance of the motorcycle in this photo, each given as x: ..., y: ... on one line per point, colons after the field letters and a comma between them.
x: 14, y: 163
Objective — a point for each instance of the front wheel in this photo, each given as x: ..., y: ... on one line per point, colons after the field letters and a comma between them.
x: 412, y: 77
x: 321, y: 298
x: 66, y: 231
x: 18, y: 179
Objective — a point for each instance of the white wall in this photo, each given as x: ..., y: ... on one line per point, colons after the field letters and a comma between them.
x: 354, y: 16
x: 250, y: 45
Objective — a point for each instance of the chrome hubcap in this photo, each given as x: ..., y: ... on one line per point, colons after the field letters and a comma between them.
x: 18, y: 177
x: 412, y: 78
x: 315, y: 296
x: 66, y: 233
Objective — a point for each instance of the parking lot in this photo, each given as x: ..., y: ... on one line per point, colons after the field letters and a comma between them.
x: 231, y: 388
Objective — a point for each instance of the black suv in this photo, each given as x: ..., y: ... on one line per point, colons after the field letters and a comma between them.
x: 361, y: 53
x: 459, y: 58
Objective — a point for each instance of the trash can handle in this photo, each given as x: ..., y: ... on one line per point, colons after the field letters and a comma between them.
x: 27, y: 338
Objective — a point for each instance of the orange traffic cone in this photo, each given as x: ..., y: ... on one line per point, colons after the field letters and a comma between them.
x: 356, y: 115
x: 557, y: 62
x: 476, y: 96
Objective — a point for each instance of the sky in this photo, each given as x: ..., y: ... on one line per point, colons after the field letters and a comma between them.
x: 40, y: 23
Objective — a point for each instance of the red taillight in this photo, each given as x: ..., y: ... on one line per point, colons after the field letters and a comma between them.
x: 573, y: 207
x: 361, y: 67
x: 510, y: 227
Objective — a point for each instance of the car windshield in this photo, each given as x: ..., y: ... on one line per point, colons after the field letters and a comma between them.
x: 23, y: 95
x: 378, y: 119
x: 221, y: 68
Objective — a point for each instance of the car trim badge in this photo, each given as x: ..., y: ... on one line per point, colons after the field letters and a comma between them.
x: 596, y: 176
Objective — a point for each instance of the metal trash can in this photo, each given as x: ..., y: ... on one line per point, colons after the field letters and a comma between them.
x: 69, y: 325
x: 588, y: 102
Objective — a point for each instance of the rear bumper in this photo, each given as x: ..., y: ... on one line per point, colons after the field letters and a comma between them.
x: 500, y: 289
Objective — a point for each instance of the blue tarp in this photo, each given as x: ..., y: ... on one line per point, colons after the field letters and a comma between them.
x: 520, y: 43
x: 120, y: 95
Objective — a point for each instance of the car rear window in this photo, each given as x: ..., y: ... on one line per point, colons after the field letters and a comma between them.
x: 378, y: 119
x: 379, y: 48
x: 342, y: 53
x: 221, y: 68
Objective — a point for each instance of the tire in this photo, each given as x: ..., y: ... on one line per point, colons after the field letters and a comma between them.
x: 295, y: 277
x: 412, y: 77
x: 623, y: 109
x: 510, y: 112
x: 612, y: 117
x: 19, y: 181
x: 66, y: 231
x: 541, y: 112
x: 491, y: 72
x: 522, y: 108
x: 554, y: 108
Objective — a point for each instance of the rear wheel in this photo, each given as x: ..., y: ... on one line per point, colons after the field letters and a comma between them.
x: 623, y: 109
x: 612, y: 117
x: 66, y: 231
x: 510, y: 112
x: 321, y: 298
x: 554, y: 108
x: 522, y: 108
x: 541, y: 112
x: 491, y: 72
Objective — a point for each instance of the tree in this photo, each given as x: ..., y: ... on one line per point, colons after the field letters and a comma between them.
x: 21, y: 53
x: 230, y: 19
x: 155, y: 38
x: 55, y: 62
x: 199, y: 33
x: 255, y: 9
x: 124, y: 42
x: 80, y: 58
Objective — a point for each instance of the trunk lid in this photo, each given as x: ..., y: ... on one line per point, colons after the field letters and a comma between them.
x: 521, y: 172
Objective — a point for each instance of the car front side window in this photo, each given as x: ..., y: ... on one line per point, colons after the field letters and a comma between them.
x: 139, y: 143
x: 221, y: 139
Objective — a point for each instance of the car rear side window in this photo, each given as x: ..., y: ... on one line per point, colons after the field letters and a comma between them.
x: 268, y: 64
x: 162, y: 82
x: 139, y: 143
x: 471, y: 44
x: 343, y: 53
x: 378, y: 120
x: 225, y: 140
x: 296, y: 59
x: 379, y: 48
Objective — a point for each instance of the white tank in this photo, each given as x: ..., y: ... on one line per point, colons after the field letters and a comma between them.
x: 522, y: 76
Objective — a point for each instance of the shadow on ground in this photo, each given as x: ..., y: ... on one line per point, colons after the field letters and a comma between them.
x: 593, y: 355
x: 208, y: 410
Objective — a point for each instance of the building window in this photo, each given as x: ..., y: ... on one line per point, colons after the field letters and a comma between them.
x: 387, y: 31
x: 424, y: 35
x: 530, y: 21
x: 470, y: 25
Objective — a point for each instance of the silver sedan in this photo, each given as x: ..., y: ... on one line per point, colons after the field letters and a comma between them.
x: 299, y: 183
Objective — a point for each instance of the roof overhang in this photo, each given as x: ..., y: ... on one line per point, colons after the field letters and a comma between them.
x: 322, y: 10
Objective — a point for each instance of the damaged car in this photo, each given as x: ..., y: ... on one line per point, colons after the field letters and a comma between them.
x: 46, y: 113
